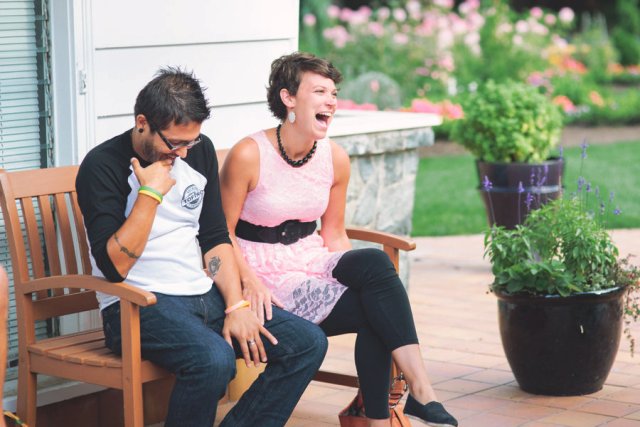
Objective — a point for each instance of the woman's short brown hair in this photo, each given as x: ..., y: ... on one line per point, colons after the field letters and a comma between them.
x: 286, y: 73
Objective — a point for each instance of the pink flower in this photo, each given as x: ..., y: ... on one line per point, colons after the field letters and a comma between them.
x: 566, y: 15
x: 347, y: 104
x: 399, y: 15
x: 445, y: 4
x: 424, y: 106
x: 536, y: 12
x: 565, y: 103
x: 338, y: 35
x: 504, y: 28
x: 346, y: 14
x: 414, y: 8
x: 522, y: 27
x: 376, y: 29
x: 550, y: 19
x: 451, y: 111
x: 333, y: 11
x: 383, y: 13
x: 400, y: 39
x: 309, y: 19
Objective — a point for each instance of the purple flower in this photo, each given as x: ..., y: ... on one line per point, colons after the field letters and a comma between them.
x: 617, y: 211
x: 588, y: 187
x: 597, y: 191
x: 584, y: 146
x: 602, y: 208
x: 528, y: 200
x: 611, y: 196
x: 581, y: 182
x: 486, y: 183
x: 520, y: 187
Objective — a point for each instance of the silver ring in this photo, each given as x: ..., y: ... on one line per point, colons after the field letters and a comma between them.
x: 251, y: 342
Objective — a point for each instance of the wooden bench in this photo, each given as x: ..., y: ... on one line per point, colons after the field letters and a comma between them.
x: 52, y: 278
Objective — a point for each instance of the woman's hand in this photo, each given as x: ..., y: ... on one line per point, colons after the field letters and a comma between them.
x: 243, y: 325
x: 260, y: 297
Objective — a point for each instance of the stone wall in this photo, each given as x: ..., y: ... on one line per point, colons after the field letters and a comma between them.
x: 382, y: 185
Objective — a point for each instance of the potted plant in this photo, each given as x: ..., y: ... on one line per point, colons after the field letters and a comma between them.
x: 511, y: 129
x: 562, y: 294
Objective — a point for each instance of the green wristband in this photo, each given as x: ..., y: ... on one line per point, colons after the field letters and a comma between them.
x: 145, y: 189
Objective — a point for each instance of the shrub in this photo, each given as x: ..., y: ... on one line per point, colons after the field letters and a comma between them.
x: 508, y: 122
x: 373, y: 88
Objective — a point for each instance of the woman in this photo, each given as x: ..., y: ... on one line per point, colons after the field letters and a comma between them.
x: 275, y: 185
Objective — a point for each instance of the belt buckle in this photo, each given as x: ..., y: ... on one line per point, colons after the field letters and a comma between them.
x: 289, y: 232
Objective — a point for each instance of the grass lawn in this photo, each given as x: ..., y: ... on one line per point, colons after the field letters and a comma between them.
x: 447, y: 200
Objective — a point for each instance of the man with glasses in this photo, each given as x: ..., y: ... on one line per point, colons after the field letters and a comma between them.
x: 151, y: 205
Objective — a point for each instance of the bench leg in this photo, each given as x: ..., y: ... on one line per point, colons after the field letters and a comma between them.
x: 243, y: 380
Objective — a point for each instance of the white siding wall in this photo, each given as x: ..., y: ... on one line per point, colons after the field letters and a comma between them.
x: 228, y: 44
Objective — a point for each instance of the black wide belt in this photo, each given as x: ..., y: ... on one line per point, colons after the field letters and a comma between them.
x: 286, y: 233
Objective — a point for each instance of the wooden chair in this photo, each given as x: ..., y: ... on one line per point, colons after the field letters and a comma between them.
x: 52, y: 277
x: 4, y: 306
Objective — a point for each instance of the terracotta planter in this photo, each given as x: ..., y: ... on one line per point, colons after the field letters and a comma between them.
x: 505, y: 201
x: 561, y: 346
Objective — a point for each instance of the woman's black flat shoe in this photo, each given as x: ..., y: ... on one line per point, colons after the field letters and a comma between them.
x: 433, y: 413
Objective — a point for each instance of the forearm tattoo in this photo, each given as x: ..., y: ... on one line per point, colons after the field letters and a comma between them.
x: 214, y: 266
x: 124, y: 249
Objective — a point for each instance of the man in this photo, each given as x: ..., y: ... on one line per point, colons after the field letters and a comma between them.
x: 151, y: 205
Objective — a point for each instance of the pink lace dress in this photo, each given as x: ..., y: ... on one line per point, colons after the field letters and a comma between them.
x: 298, y: 274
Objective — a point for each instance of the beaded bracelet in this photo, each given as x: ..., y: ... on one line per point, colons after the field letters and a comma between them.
x: 242, y: 304
x: 154, y: 194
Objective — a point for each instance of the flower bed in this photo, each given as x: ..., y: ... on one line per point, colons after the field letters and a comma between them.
x: 414, y: 57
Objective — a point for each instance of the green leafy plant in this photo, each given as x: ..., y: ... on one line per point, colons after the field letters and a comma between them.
x: 563, y: 248
x: 508, y: 122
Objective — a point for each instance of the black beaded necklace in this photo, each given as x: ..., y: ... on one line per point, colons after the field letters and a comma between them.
x: 294, y: 163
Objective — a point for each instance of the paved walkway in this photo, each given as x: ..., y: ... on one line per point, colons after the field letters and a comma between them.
x: 457, y: 323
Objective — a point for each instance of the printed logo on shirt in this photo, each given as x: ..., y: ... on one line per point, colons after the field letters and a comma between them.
x: 192, y: 197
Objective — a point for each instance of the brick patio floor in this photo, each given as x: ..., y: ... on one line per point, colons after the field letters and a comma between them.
x: 457, y: 325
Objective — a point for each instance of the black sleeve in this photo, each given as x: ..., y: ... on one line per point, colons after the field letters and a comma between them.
x: 102, y: 189
x: 213, y: 224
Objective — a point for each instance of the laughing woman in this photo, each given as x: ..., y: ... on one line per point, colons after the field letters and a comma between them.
x: 275, y: 184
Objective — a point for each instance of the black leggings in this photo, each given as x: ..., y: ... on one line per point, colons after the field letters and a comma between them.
x: 376, y: 307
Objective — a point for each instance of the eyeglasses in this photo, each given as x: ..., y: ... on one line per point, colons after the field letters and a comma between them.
x: 176, y: 146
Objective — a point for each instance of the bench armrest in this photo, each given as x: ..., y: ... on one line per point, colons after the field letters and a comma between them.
x: 380, y: 237
x: 122, y: 290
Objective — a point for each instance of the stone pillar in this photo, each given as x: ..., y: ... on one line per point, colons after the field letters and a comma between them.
x: 384, y: 164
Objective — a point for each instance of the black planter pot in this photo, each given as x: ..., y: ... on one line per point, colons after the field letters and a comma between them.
x: 506, y: 201
x: 561, y: 346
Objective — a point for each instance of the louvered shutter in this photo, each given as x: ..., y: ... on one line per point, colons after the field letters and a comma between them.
x: 25, y: 117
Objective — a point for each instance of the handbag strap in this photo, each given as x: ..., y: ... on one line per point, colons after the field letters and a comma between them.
x: 398, y: 388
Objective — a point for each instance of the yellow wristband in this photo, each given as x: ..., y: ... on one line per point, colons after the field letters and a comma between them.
x: 242, y: 304
x: 154, y: 196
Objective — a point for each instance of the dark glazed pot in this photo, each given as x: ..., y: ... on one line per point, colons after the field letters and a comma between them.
x: 561, y: 346
x: 504, y: 203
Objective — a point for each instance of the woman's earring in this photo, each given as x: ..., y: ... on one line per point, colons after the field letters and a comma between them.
x: 291, y: 116
x: 140, y: 130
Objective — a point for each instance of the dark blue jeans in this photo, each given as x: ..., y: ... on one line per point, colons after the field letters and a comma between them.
x: 183, y: 335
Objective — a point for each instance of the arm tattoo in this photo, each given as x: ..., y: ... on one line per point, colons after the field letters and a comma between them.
x: 214, y: 266
x: 124, y: 249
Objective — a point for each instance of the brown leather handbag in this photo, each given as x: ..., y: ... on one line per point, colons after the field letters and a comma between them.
x: 353, y: 415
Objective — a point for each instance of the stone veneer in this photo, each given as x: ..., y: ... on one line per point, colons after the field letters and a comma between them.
x: 384, y: 164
